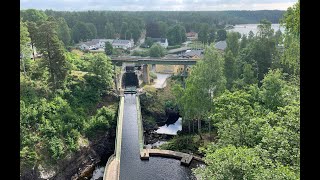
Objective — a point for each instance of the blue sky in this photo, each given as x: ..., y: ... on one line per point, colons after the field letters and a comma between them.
x: 156, y: 5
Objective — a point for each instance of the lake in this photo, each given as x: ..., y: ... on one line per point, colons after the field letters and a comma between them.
x: 246, y: 28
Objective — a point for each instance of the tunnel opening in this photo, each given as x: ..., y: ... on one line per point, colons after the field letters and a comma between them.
x: 130, y: 80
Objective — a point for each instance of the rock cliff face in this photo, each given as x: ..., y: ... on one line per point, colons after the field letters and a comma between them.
x: 82, y: 163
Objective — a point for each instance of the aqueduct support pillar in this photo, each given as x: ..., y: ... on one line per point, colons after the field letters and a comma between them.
x: 145, y: 74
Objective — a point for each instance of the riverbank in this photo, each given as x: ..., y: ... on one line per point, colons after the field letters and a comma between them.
x: 158, y: 109
x: 93, y: 151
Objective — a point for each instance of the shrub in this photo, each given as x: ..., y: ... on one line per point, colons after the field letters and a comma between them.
x: 100, y: 122
x: 56, y: 148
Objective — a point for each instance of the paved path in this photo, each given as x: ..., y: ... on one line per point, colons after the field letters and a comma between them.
x: 160, y: 82
x: 112, y: 171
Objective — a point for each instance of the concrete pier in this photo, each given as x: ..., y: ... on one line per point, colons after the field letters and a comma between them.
x: 183, y: 157
x: 145, y: 74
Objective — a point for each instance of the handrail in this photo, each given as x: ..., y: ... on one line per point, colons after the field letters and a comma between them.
x: 114, y: 155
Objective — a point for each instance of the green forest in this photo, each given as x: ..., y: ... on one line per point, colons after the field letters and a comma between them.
x: 59, y: 94
x: 244, y: 102
x: 85, y: 25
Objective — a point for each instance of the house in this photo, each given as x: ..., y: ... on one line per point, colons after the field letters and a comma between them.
x: 193, y: 54
x: 101, y: 42
x: 162, y: 41
x: 221, y: 45
x: 122, y: 44
x: 191, y: 36
x: 93, y: 44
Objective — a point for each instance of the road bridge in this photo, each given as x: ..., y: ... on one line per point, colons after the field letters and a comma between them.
x: 119, y: 61
x: 169, y: 61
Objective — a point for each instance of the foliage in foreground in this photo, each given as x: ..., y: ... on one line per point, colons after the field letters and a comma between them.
x: 58, y: 101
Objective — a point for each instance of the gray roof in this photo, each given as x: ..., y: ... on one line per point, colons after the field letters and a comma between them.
x: 120, y: 42
x: 92, y: 42
x: 105, y: 40
x: 193, y: 53
x: 221, y: 45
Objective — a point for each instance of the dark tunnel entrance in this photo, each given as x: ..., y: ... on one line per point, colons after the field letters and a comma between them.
x: 130, y: 79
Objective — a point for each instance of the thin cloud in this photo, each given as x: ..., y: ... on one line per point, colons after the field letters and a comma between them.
x: 157, y: 5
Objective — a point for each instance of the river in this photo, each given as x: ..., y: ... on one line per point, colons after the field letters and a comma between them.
x: 131, y: 167
x: 171, y: 129
x: 246, y: 28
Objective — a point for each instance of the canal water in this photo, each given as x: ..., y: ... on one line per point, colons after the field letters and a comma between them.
x: 131, y: 167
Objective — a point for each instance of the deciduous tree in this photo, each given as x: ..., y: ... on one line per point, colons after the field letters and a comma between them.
x: 108, y: 48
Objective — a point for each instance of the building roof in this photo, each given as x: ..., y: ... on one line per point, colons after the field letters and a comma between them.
x: 221, y: 45
x: 162, y: 40
x: 105, y: 40
x: 120, y: 42
x: 191, y: 34
x: 90, y: 43
x: 192, y: 53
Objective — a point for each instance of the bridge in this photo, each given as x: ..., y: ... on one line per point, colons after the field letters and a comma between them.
x: 168, y: 61
x: 118, y: 61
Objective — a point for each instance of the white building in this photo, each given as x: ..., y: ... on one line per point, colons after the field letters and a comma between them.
x: 89, y: 45
x: 100, y: 43
x: 162, y: 41
x: 122, y: 44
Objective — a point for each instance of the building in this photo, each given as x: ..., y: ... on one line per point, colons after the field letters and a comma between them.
x: 193, y: 54
x: 221, y: 45
x: 191, y: 36
x: 162, y: 41
x: 100, y: 43
x: 89, y: 45
x: 123, y: 44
